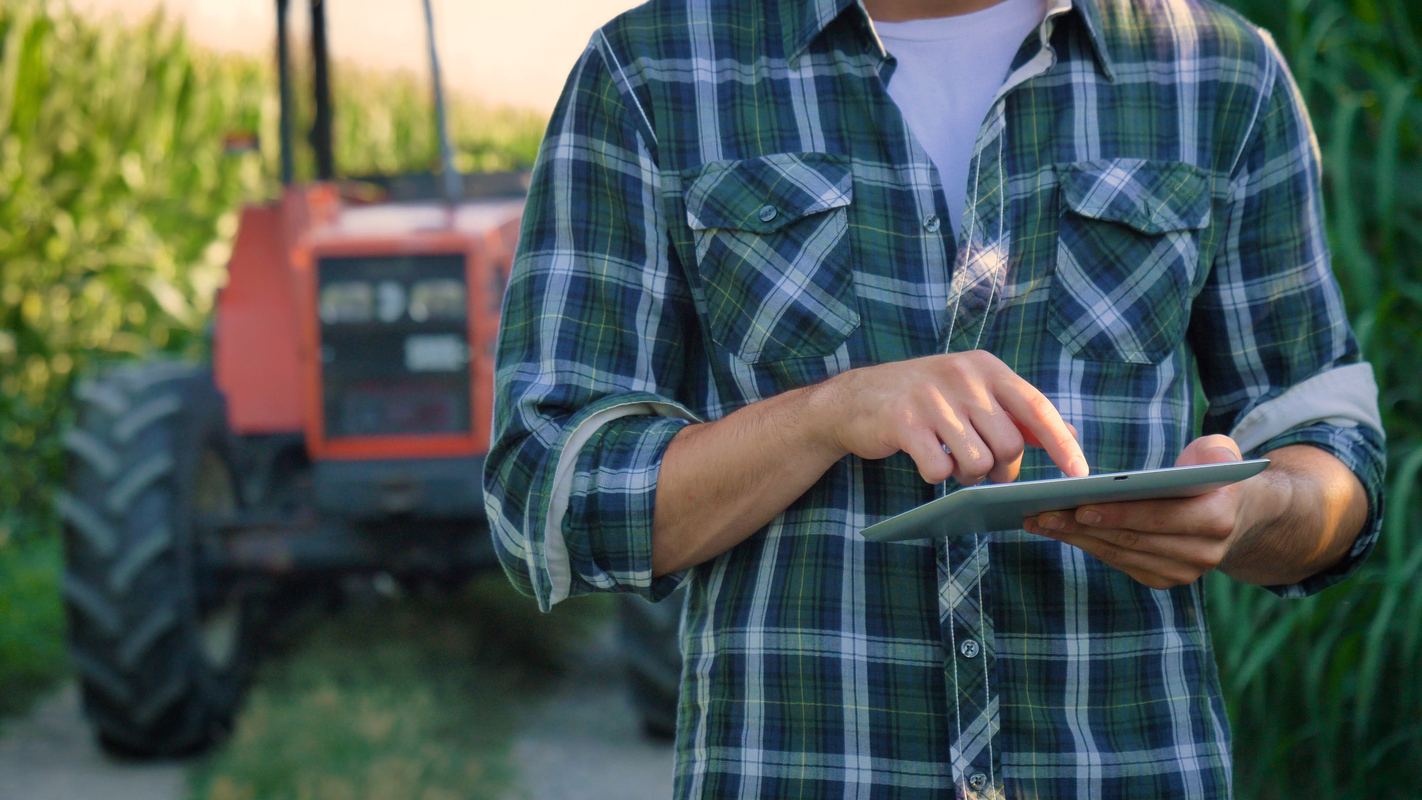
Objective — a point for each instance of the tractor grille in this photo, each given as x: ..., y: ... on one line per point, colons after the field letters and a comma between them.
x: 394, y: 345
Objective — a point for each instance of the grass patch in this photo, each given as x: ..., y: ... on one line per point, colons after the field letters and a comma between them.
x: 32, y: 657
x: 410, y: 699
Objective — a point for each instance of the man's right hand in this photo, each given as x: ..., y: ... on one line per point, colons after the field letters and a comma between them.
x: 721, y: 481
x: 971, y: 403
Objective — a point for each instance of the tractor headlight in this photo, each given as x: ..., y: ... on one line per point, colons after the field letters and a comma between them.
x: 437, y: 300
x: 347, y: 301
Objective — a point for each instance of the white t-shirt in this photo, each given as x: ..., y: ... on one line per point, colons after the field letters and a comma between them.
x: 948, y: 70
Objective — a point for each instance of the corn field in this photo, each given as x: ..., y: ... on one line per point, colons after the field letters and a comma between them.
x: 118, y: 204
x: 1325, y: 694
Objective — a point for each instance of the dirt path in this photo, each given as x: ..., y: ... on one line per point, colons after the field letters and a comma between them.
x: 585, y: 742
x: 51, y: 755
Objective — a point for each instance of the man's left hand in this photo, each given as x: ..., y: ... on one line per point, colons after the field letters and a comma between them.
x: 1160, y: 543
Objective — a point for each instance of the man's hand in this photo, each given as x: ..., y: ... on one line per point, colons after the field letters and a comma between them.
x: 971, y: 403
x: 1291, y: 521
x: 723, y: 480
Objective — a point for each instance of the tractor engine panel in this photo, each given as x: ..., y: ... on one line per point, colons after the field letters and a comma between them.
x: 394, y: 345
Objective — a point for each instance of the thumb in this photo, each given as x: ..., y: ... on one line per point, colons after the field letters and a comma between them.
x: 1213, y: 449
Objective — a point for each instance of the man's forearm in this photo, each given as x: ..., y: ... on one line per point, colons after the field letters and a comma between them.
x: 1304, y: 514
x: 722, y: 481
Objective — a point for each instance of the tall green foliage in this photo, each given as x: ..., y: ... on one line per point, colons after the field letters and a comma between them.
x: 118, y: 202
x: 119, y: 199
x: 1326, y: 693
x: 115, y: 197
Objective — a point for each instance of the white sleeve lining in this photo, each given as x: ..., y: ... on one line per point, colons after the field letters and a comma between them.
x: 555, y: 549
x: 1345, y: 396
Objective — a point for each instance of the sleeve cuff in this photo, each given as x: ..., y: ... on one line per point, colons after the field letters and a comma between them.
x: 1361, y: 449
x: 597, y: 521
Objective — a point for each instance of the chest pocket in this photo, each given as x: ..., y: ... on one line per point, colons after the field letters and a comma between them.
x: 772, y: 251
x: 1128, y: 251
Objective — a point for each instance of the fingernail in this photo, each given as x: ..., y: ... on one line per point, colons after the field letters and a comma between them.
x: 1078, y: 468
x: 1055, y: 522
x: 1090, y: 517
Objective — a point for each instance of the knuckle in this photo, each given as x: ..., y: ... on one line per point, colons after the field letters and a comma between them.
x: 1208, y: 558
x: 933, y: 475
x: 1008, y: 443
x: 1161, y: 583
x: 977, y: 462
x: 921, y: 394
x: 1128, y: 539
x: 1109, y: 552
x: 1185, y: 577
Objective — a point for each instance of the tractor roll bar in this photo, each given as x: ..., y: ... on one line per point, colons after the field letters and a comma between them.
x: 320, y: 136
x: 321, y: 140
x: 284, y: 88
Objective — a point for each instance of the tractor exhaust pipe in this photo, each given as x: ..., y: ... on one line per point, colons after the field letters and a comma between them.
x: 453, y: 183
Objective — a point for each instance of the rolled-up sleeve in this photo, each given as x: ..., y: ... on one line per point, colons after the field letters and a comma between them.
x: 591, y: 353
x: 1271, y: 317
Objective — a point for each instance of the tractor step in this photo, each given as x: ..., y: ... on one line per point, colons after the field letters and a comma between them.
x: 263, y: 544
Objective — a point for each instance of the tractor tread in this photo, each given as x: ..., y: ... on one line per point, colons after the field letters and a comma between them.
x: 102, y: 395
x: 133, y: 423
x: 99, y: 677
x: 88, y: 523
x: 148, y: 713
x: 143, y: 637
x: 92, y: 451
x: 139, y: 556
x: 140, y: 378
x: 97, y: 608
x: 151, y: 469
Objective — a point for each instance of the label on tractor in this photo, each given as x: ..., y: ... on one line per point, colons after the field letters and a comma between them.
x: 436, y: 353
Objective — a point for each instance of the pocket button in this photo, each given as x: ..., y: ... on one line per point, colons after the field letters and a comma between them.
x: 767, y: 213
x: 931, y: 223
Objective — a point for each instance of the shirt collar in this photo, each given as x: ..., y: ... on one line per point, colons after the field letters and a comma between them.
x: 803, y: 20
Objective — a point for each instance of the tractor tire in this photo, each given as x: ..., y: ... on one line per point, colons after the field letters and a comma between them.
x: 162, y: 648
x: 652, y: 655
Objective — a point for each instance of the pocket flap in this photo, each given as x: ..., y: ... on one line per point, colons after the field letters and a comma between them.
x: 1151, y: 196
x: 764, y: 194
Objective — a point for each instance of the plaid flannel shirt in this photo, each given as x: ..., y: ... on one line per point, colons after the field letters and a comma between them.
x: 728, y: 205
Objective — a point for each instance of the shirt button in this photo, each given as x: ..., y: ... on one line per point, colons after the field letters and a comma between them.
x: 977, y: 780
x: 931, y: 223
x: 969, y: 648
x: 767, y: 213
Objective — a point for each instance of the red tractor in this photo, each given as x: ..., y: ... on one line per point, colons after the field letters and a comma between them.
x: 340, y: 429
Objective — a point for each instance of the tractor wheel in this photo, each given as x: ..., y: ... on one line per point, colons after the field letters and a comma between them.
x: 653, y: 658
x: 163, y: 648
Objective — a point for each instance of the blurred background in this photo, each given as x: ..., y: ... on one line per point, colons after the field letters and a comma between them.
x: 130, y: 137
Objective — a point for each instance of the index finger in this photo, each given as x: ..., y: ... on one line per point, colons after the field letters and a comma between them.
x: 1032, y: 410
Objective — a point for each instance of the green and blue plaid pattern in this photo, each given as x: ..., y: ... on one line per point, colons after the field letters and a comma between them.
x: 728, y: 205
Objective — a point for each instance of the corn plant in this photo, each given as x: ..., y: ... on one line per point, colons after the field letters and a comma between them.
x: 1325, y: 694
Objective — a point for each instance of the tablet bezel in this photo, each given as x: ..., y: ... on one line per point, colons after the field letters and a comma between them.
x: 1002, y: 506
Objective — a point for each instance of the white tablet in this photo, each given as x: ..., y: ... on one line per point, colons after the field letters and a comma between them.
x: 1003, y: 506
